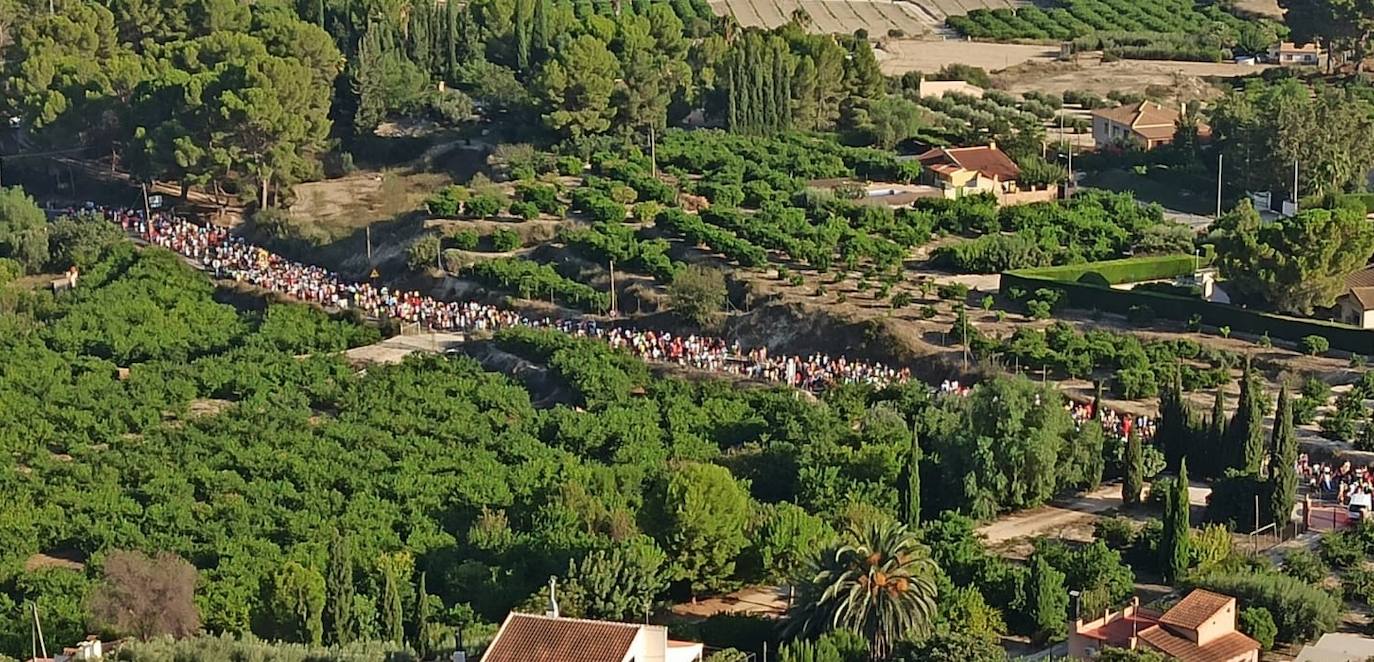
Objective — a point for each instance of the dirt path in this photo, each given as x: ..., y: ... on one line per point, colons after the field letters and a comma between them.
x: 1071, y: 518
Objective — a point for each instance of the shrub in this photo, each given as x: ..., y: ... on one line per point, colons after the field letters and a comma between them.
x: 569, y: 166
x: 1258, y: 623
x: 447, y: 202
x: 504, y: 240
x: 542, y: 196
x: 525, y: 210
x: 647, y: 211
x: 1301, y: 612
x: 423, y: 252
x: 1342, y: 549
x: 485, y: 204
x: 1358, y: 585
x: 9, y: 270
x: 698, y: 293
x: 466, y: 240
x: 1314, y: 345
x: 1305, y: 565
x: 953, y: 291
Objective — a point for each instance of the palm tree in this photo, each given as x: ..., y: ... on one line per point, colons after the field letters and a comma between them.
x: 879, y: 584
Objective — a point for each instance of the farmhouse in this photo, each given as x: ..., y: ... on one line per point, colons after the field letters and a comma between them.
x: 536, y: 638
x: 1147, y: 124
x: 960, y: 171
x: 1292, y: 54
x: 1357, y: 304
x: 1200, y: 628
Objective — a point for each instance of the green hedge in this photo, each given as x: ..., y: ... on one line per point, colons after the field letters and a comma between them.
x: 1127, y: 270
x: 1083, y: 295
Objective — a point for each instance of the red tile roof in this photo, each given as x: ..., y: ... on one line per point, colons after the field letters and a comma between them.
x: 1195, y: 609
x: 986, y: 160
x: 1223, y: 648
x: 533, y: 638
x: 1142, y: 114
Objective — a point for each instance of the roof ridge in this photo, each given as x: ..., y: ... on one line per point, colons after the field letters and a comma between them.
x: 593, y: 621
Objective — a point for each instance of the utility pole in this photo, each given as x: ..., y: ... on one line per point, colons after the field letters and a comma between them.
x: 613, y: 288
x: 1295, y: 187
x: 38, y: 631
x: 369, y: 243
x: 653, y: 149
x: 147, y: 211
x: 1218, y: 217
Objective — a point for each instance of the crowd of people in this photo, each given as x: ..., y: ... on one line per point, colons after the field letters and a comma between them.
x: 229, y: 257
x: 216, y: 250
x: 1114, y: 423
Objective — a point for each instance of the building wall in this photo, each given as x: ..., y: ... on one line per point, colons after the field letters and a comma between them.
x: 1220, y: 624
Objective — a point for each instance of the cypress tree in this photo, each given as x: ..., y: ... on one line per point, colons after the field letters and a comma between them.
x: 1174, y: 546
x: 1216, y: 459
x: 340, y: 603
x: 912, y: 500
x: 1283, y: 477
x: 1134, y: 480
x: 523, y: 14
x: 422, y: 619
x: 1246, y: 432
x: 392, y: 615
x: 539, y: 33
x: 1090, y: 441
x: 1175, y: 421
x: 1047, y: 599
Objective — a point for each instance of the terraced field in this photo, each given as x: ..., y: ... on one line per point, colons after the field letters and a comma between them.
x: 879, y: 17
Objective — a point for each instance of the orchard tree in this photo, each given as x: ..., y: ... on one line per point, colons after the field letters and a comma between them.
x: 23, y: 229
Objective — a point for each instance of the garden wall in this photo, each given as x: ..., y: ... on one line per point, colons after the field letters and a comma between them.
x: 1095, y: 297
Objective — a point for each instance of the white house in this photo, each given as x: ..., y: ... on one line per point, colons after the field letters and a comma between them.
x: 1357, y: 304
x: 1290, y: 53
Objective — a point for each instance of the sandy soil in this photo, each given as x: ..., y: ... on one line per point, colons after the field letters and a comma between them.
x: 899, y: 56
x: 1183, y: 80
x: 1071, y: 518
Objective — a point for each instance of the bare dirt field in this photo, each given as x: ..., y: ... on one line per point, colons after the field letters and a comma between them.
x: 337, y: 207
x: 899, y: 56
x: 1186, y: 80
x: 877, y: 17
x: 1268, y: 8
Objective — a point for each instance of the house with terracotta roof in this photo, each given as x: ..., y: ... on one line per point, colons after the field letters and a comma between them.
x: 1357, y: 304
x: 1200, y: 628
x: 1290, y: 53
x: 1147, y: 124
x: 545, y: 638
x: 959, y: 171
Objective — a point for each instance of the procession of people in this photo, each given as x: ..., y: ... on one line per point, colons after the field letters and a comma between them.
x: 227, y: 256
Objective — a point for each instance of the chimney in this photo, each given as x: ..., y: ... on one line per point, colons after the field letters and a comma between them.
x: 553, y: 597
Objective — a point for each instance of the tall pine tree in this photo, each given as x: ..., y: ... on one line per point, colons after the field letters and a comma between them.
x: 1246, y: 432
x: 1174, y: 546
x: 1134, y: 479
x: 339, y: 606
x: 911, y: 501
x: 1283, y: 454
